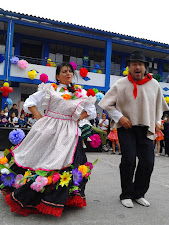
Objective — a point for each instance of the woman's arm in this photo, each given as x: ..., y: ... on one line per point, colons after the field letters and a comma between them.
x: 35, y: 112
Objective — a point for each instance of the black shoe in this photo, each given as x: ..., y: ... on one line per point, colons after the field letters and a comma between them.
x: 113, y: 153
x: 119, y: 153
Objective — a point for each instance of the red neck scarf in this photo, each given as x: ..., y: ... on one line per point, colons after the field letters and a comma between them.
x: 147, y: 78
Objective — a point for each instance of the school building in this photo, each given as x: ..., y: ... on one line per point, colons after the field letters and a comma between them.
x: 103, y: 53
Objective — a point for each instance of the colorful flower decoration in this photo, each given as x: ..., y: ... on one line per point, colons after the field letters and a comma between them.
x: 8, y: 179
x: 3, y: 160
x: 167, y: 99
x: 44, y: 78
x: 90, y: 165
x: 83, y: 72
x: 90, y: 92
x: 77, y: 177
x: 83, y: 169
x: 96, y: 141
x: 14, y: 60
x: 16, y: 136
x: 74, y: 65
x: 65, y: 179
x: 126, y: 71
x: 6, y: 89
x: 99, y: 96
x: 18, y: 181
x: 94, y: 71
x: 5, y: 171
x: 9, y: 101
x: 66, y: 96
x: 32, y: 74
x: 56, y: 177
x: 1, y: 58
x: 54, y: 85
x: 99, y: 71
x: 39, y: 183
x: 23, y: 64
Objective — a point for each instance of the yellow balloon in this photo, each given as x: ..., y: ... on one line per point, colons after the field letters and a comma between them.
x: 6, y: 84
x: 49, y: 60
x: 52, y: 64
x: 167, y: 99
x: 127, y: 69
x: 32, y: 74
x: 125, y: 73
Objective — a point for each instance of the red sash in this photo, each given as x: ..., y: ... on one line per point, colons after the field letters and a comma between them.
x: 147, y: 78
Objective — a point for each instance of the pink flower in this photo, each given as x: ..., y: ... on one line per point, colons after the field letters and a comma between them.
x: 87, y: 175
x: 56, y: 177
x: 90, y: 165
x: 78, y: 95
x: 17, y: 183
x: 79, y: 89
x: 96, y: 141
x: 39, y: 183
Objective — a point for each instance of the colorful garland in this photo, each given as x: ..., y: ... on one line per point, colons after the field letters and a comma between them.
x: 43, y: 180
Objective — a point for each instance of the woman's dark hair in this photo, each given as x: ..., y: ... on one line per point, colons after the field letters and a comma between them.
x: 64, y: 64
x: 59, y: 67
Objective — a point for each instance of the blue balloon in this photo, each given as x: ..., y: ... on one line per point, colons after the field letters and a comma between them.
x: 1, y: 58
x: 9, y: 101
x: 97, y: 66
x: 94, y: 71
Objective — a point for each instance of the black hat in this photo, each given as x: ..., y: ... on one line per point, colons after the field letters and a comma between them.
x: 138, y: 56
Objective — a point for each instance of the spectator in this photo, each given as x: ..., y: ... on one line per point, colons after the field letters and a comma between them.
x: 14, y: 109
x: 6, y: 112
x: 3, y: 119
x: 103, y: 125
x: 113, y: 137
x: 31, y: 121
x: 13, y: 120
x: 21, y: 121
x: 97, y: 119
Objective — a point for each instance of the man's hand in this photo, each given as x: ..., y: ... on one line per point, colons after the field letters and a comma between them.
x: 157, y: 127
x: 125, y: 122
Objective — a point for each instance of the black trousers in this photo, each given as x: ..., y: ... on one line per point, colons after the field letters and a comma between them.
x: 135, y: 144
x: 166, y: 145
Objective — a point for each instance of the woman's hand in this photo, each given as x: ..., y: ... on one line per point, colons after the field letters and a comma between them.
x: 35, y: 112
x: 125, y: 122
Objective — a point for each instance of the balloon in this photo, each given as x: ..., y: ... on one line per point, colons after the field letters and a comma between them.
x: 5, y: 93
x: 6, y: 84
x: 83, y: 72
x: 32, y: 74
x: 9, y: 101
x: 5, y: 89
x: 22, y: 64
x: 48, y: 64
x: 52, y: 64
x: 97, y: 66
x: 167, y: 99
x: 10, y: 89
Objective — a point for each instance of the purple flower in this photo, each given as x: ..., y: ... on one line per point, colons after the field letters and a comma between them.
x: 77, y: 177
x: 8, y: 179
x: 16, y: 136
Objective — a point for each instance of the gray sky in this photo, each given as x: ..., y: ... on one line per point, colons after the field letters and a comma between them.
x: 144, y: 19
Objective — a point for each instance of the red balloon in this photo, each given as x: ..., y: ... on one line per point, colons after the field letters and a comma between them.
x: 5, y: 89
x: 83, y: 72
x: 10, y: 89
x: 5, y: 93
x: 1, y: 88
x: 48, y: 64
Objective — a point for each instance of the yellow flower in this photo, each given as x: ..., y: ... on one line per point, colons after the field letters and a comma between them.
x: 65, y: 178
x: 3, y: 160
x: 77, y: 86
x: 67, y: 96
x: 27, y: 173
x: 54, y: 86
x: 83, y: 169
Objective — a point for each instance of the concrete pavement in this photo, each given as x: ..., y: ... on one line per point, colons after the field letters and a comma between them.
x: 103, y: 205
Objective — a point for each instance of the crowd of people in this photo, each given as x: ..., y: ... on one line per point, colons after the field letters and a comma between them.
x: 11, y: 118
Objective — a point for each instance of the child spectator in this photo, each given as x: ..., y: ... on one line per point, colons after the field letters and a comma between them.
x: 3, y: 119
x: 31, y: 121
x: 113, y: 137
x: 13, y: 120
x: 160, y: 136
x: 86, y: 129
x: 6, y: 112
x: 21, y: 121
